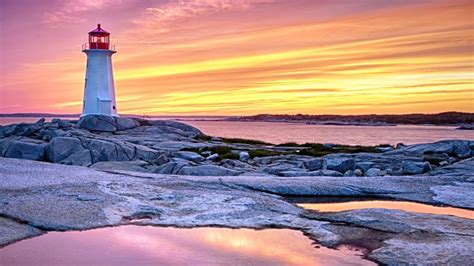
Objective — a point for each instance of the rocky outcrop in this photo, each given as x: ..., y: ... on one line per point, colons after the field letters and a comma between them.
x: 168, y: 146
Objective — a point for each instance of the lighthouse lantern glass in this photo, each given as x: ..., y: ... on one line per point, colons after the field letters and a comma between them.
x: 99, y: 39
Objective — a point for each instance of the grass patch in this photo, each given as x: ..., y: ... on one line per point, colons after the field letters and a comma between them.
x: 203, y: 137
x: 229, y: 155
x: 319, y: 150
x: 263, y: 153
x: 245, y: 141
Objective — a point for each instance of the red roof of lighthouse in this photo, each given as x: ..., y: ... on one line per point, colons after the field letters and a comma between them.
x: 99, y: 31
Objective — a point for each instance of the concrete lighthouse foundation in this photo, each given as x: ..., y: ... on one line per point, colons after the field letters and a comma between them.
x: 99, y: 88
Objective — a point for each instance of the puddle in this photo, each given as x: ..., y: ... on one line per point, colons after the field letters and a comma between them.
x: 385, y: 204
x: 138, y: 245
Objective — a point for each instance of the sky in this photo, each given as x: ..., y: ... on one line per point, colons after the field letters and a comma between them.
x: 243, y: 57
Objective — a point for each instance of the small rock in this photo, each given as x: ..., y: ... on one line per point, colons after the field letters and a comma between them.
x: 413, y: 168
x: 40, y: 121
x: 358, y: 172
x: 349, y: 173
x: 212, y: 157
x: 400, y: 145
x: 190, y: 156
x: 373, y: 172
x: 384, y: 149
x: 244, y: 156
x: 443, y: 163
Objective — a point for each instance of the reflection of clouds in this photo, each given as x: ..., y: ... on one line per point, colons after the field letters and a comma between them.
x: 394, y: 205
x: 207, y: 244
x: 127, y: 245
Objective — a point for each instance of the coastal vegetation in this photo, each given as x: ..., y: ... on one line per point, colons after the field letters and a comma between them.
x: 446, y: 118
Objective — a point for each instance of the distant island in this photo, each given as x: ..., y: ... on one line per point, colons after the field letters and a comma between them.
x: 464, y: 120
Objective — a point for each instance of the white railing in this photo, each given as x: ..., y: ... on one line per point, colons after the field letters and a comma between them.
x: 86, y: 46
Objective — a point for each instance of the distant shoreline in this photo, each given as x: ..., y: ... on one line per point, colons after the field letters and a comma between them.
x: 463, y: 121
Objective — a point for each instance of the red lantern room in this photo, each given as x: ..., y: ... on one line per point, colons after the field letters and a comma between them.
x: 99, y: 39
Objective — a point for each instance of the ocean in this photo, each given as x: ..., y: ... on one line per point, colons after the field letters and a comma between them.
x: 301, y: 133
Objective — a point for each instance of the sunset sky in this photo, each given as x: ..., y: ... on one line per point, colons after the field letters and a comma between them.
x: 242, y: 57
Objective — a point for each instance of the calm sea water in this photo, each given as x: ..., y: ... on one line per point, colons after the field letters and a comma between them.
x: 302, y: 133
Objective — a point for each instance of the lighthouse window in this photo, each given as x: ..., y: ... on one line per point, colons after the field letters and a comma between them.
x: 113, y: 107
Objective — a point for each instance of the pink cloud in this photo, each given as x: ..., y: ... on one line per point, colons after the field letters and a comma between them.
x: 182, y: 9
x: 71, y: 11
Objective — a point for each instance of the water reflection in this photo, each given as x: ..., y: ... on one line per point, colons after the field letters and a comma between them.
x: 139, y: 245
x: 394, y: 205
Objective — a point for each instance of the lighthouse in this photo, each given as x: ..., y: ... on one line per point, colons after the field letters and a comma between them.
x: 99, y: 90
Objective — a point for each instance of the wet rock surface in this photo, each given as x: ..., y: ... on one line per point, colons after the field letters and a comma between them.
x: 37, y: 197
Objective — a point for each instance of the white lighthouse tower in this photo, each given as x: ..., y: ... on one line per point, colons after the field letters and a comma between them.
x: 99, y: 90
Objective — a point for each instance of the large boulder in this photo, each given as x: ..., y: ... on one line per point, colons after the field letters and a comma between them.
x: 59, y: 148
x: 104, y: 151
x: 103, y: 123
x: 207, y: 170
x: 25, y: 150
x: 124, y: 123
x: 340, y: 164
x: 414, y: 168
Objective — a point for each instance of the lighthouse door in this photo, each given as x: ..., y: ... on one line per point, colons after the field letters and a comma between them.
x: 105, y: 106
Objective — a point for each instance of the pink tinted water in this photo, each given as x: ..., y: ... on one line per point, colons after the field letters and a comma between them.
x: 140, y: 245
x: 352, y: 135
x: 302, y: 133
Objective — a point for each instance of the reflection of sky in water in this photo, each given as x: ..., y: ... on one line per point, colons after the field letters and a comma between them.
x: 138, y: 245
x: 394, y: 205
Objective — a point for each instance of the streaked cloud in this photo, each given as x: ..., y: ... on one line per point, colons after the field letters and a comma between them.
x: 249, y: 57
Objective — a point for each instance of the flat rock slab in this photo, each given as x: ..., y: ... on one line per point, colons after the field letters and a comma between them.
x: 37, y: 197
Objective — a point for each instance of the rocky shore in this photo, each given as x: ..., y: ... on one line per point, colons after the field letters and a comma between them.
x: 102, y: 171
x: 169, y: 147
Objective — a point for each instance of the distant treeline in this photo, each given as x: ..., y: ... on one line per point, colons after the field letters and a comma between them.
x: 447, y: 118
